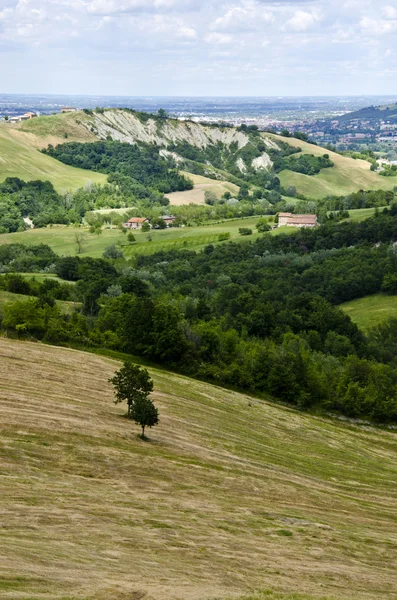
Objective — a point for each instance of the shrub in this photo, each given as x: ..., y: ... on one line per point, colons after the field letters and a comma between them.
x: 112, y: 252
x: 222, y: 237
x: 245, y: 231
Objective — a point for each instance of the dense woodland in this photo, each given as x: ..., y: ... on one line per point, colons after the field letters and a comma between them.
x: 260, y: 316
x: 137, y: 165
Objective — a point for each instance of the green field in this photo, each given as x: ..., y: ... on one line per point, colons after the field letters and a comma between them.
x: 10, y: 298
x: 370, y: 311
x: 348, y: 174
x: 62, y: 238
x: 360, y: 214
x: 230, y: 495
x: 19, y: 157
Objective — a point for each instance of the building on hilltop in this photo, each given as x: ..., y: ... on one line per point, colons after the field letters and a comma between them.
x: 135, y: 223
x: 67, y: 109
x: 291, y: 220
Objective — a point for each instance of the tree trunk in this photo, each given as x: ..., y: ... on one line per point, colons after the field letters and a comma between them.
x: 143, y: 432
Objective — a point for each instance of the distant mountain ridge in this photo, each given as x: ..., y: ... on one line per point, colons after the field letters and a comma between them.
x: 372, y: 113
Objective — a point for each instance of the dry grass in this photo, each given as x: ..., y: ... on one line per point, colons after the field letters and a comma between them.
x: 231, y: 494
x: 201, y: 185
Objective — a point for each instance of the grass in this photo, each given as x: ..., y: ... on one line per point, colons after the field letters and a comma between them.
x: 62, y: 238
x: 202, y: 510
x: 371, y: 310
x: 348, y: 174
x: 9, y: 298
x: 359, y: 214
x: 51, y: 129
x: 201, y: 185
x: 19, y: 157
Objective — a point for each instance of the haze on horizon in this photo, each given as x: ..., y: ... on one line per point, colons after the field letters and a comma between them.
x: 191, y: 48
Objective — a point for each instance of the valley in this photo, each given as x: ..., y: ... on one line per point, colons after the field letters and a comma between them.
x: 272, y: 350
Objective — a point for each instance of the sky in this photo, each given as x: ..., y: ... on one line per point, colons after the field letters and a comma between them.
x: 198, y: 47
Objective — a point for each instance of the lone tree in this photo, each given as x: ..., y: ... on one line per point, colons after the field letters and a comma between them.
x: 144, y: 413
x: 80, y: 239
x: 133, y: 384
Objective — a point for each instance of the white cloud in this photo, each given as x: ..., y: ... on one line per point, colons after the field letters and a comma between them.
x: 187, y: 32
x: 377, y: 27
x: 301, y: 21
x: 389, y: 12
x: 218, y: 38
x: 111, y: 7
x: 148, y: 37
x: 247, y: 17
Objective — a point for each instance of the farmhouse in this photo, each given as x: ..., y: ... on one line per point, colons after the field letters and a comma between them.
x: 168, y: 219
x: 291, y: 220
x: 25, y: 117
x: 135, y: 223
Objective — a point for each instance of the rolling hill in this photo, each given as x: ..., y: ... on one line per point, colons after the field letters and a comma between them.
x: 20, y: 157
x: 347, y: 175
x: 232, y: 497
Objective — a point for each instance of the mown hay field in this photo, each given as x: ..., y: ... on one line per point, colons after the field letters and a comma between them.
x: 232, y: 496
x: 201, y: 185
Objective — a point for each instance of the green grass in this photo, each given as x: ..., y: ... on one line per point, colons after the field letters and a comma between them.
x: 359, y: 214
x: 19, y: 157
x: 371, y: 310
x: 56, y: 126
x: 9, y: 298
x: 40, y: 277
x: 199, y: 512
x: 62, y: 238
x: 347, y: 175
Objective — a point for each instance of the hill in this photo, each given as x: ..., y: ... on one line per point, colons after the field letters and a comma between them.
x: 372, y: 113
x: 348, y: 174
x: 19, y: 157
x: 225, y: 153
x: 231, y: 494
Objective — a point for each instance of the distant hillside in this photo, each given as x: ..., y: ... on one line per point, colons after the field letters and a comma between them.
x: 372, y: 113
x: 231, y: 494
x: 348, y: 175
x: 235, y: 156
x: 19, y: 157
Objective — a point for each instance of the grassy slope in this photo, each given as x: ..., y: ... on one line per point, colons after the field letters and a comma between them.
x: 19, y: 157
x: 371, y: 310
x: 62, y: 238
x: 348, y: 174
x: 231, y: 494
x: 201, y: 185
x: 9, y: 298
x: 52, y: 129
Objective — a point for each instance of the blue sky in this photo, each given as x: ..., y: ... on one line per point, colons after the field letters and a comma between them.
x: 198, y: 47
